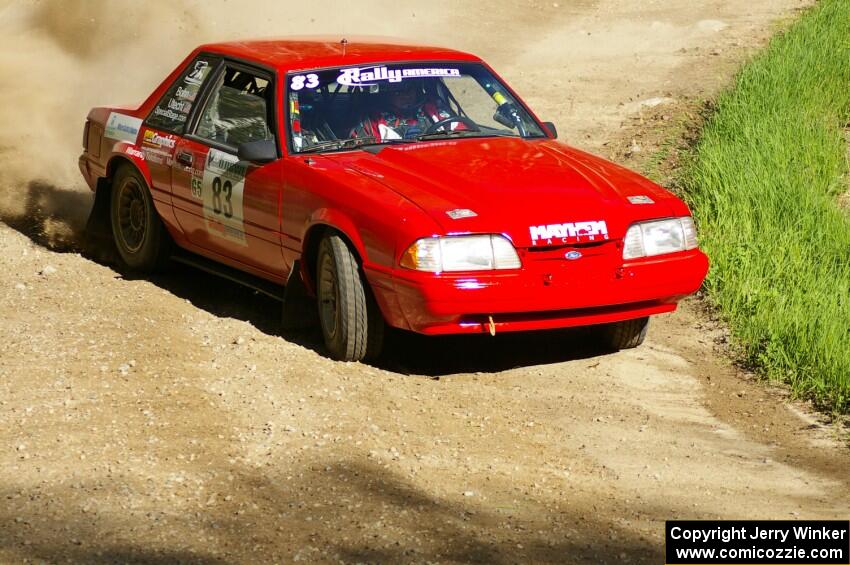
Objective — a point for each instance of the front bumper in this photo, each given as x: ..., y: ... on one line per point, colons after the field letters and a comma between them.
x: 546, y: 293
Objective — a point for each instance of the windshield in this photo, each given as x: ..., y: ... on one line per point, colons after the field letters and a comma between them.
x: 333, y: 109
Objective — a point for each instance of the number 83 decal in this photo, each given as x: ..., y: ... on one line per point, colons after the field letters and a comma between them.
x: 217, y: 189
x: 223, y: 187
x: 300, y: 81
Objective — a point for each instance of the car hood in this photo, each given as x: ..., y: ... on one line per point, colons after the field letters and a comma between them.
x: 513, y: 185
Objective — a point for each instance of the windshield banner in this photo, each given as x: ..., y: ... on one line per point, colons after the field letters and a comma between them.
x: 369, y: 75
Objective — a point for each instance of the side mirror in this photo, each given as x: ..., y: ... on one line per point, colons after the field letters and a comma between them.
x: 552, y: 129
x: 262, y: 151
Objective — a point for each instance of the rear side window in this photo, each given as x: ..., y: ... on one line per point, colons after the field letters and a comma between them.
x: 172, y: 111
x: 238, y: 109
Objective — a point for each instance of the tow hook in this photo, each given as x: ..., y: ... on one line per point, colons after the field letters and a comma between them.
x: 492, y: 325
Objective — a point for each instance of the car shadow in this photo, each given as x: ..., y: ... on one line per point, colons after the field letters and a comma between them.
x: 404, y: 352
x: 439, y: 356
x: 56, y: 218
x: 359, y: 511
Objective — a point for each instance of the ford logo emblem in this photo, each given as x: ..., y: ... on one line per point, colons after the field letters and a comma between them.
x: 572, y: 255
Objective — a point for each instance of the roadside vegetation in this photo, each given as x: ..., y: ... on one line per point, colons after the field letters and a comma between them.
x: 764, y: 182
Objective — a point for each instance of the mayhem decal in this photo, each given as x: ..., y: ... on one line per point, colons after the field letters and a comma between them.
x: 122, y: 127
x: 370, y: 75
x: 573, y: 232
x: 222, y: 186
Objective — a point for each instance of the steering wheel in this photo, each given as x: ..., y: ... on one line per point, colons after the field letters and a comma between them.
x: 450, y: 120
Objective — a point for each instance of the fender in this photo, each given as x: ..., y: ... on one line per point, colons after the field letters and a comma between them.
x: 98, y: 226
x: 326, y: 217
x: 378, y: 275
x: 130, y: 152
x: 340, y: 221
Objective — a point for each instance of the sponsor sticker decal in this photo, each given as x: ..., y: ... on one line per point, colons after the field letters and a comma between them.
x: 133, y: 152
x: 181, y: 106
x: 197, y: 182
x: 122, y: 127
x: 157, y: 156
x: 170, y: 114
x: 571, y: 232
x: 358, y: 76
x: 222, y: 185
x: 197, y: 74
x: 641, y: 199
x: 572, y: 255
x: 186, y: 93
x: 153, y: 138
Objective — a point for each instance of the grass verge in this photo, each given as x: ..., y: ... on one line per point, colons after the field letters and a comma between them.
x: 763, y: 182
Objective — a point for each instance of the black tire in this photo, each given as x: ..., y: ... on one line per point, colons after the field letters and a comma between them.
x: 351, y: 322
x: 625, y: 335
x: 141, y: 239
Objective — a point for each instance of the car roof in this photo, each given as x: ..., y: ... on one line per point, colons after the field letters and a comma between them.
x: 313, y: 52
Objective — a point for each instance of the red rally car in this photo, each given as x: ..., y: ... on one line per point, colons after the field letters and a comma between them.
x: 400, y: 185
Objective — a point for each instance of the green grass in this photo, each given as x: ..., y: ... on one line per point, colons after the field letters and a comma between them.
x: 763, y: 182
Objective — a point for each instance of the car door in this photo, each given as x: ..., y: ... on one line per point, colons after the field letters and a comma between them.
x: 168, y: 121
x: 228, y: 208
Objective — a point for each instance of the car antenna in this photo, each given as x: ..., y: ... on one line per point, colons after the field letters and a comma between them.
x: 344, y: 42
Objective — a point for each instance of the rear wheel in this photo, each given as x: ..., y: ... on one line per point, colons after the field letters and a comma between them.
x: 140, y: 237
x: 351, y: 321
x: 626, y: 334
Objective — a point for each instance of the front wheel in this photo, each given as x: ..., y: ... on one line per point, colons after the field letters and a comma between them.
x: 140, y: 237
x: 627, y: 334
x: 351, y: 321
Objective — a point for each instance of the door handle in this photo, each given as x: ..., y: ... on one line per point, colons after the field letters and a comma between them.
x: 184, y: 158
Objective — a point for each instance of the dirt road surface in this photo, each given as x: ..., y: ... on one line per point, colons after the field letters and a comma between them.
x: 166, y: 419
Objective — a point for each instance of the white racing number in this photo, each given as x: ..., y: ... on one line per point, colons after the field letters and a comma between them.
x: 222, y: 187
x: 300, y: 81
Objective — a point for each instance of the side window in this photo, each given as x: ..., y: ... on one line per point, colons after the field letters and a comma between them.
x: 172, y: 111
x: 237, y: 110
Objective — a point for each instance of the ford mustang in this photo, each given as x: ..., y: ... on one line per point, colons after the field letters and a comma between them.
x: 397, y: 185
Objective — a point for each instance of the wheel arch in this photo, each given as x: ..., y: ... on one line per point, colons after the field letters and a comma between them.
x: 98, y: 223
x: 322, y: 222
x: 120, y: 157
x: 310, y: 254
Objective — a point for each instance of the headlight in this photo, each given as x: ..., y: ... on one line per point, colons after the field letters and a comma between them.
x: 461, y: 253
x: 658, y: 237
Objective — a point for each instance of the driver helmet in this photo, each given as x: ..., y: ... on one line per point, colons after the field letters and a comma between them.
x: 405, y: 95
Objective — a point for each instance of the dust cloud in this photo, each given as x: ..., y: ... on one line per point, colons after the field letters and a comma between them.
x: 59, y: 58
